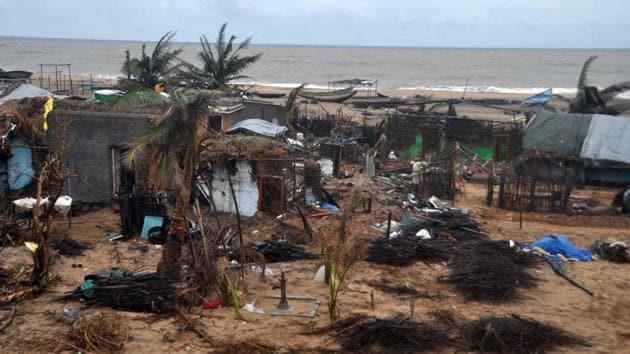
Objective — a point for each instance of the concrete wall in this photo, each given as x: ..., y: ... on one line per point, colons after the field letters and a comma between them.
x: 245, y: 189
x: 257, y: 109
x: 91, y: 136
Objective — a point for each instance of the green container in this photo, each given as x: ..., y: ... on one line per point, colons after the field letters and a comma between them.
x: 107, y: 95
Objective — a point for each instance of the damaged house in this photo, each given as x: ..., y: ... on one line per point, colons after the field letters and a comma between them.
x: 559, y: 151
x: 228, y: 111
x: 98, y: 140
x: 250, y: 168
x: 594, y: 146
x: 250, y: 173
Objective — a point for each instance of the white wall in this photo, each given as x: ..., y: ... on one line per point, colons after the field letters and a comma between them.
x: 245, y: 188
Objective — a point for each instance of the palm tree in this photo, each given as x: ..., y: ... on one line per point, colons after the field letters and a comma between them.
x: 222, y: 61
x: 173, y: 147
x: 149, y: 70
x: 589, y: 99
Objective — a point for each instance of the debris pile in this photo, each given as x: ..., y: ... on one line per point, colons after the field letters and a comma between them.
x: 68, y: 247
x: 406, y: 250
x: 280, y: 251
x: 394, y: 334
x: 445, y: 223
x: 489, y: 270
x: 138, y: 292
x: 614, y: 251
x: 515, y: 334
x: 98, y: 332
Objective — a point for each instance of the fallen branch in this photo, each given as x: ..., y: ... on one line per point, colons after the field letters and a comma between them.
x: 8, y: 321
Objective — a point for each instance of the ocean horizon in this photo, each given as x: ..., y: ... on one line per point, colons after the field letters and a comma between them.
x: 500, y: 70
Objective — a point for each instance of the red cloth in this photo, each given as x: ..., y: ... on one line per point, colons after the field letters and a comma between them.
x: 216, y: 303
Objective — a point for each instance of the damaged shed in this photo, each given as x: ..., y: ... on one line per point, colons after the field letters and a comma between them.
x: 594, y: 145
x: 98, y: 141
x: 246, y: 172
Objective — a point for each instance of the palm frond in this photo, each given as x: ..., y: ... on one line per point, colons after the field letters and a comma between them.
x: 140, y: 98
x: 150, y: 69
x: 222, y: 62
x: 290, y: 106
x: 615, y: 89
x: 584, y: 72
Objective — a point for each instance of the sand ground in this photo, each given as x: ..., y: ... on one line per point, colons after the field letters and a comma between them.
x: 604, y: 318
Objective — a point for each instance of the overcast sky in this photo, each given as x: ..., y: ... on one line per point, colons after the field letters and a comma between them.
x: 449, y: 23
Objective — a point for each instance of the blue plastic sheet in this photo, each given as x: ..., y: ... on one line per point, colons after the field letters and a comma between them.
x: 560, y: 244
x: 149, y: 223
x: 330, y: 207
x: 20, y: 167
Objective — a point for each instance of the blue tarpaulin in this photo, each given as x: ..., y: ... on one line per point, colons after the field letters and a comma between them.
x: 560, y: 244
x: 20, y: 166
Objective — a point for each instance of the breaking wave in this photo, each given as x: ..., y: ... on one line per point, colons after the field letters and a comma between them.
x: 496, y: 89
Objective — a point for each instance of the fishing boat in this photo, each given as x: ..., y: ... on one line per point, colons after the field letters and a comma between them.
x: 539, y: 99
x: 333, y: 96
x: 269, y: 95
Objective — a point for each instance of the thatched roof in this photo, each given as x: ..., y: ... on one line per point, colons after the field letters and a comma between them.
x: 248, y: 147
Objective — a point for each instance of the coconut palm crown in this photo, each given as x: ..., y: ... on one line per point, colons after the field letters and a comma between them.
x: 151, y: 69
x: 222, y: 61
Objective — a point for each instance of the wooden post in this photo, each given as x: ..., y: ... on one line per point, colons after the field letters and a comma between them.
x: 70, y: 77
x: 238, y: 224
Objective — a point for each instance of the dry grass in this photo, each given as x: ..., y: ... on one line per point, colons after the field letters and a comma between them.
x: 94, y: 332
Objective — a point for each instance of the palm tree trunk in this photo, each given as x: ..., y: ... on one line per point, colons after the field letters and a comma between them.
x: 169, y: 264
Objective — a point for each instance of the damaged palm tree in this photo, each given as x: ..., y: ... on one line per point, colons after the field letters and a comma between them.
x: 222, y: 61
x: 590, y: 99
x: 151, y: 69
x: 340, y: 256
x: 173, y: 146
x: 51, y: 179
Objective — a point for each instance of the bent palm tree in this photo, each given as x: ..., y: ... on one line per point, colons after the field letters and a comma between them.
x: 174, y: 146
x: 222, y: 61
x: 149, y: 70
x: 589, y: 99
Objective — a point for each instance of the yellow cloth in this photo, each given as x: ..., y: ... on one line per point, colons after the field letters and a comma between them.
x: 48, y: 107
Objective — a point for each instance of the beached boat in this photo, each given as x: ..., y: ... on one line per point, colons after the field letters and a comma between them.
x: 539, y: 99
x: 333, y: 96
x: 269, y: 95
x: 15, y: 75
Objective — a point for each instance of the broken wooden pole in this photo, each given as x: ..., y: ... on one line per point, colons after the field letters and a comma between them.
x: 308, y: 229
x: 389, y: 223
x: 238, y: 224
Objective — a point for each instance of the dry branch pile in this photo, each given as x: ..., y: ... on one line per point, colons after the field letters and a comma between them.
x: 515, y: 334
x: 68, y: 247
x: 98, y: 332
x: 406, y: 250
x: 279, y: 251
x: 92, y: 332
x: 393, y: 334
x: 141, y: 292
x: 489, y: 270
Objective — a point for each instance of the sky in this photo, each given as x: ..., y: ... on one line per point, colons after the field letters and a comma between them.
x: 419, y: 23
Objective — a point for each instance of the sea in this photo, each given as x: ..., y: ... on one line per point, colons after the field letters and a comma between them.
x: 500, y: 70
